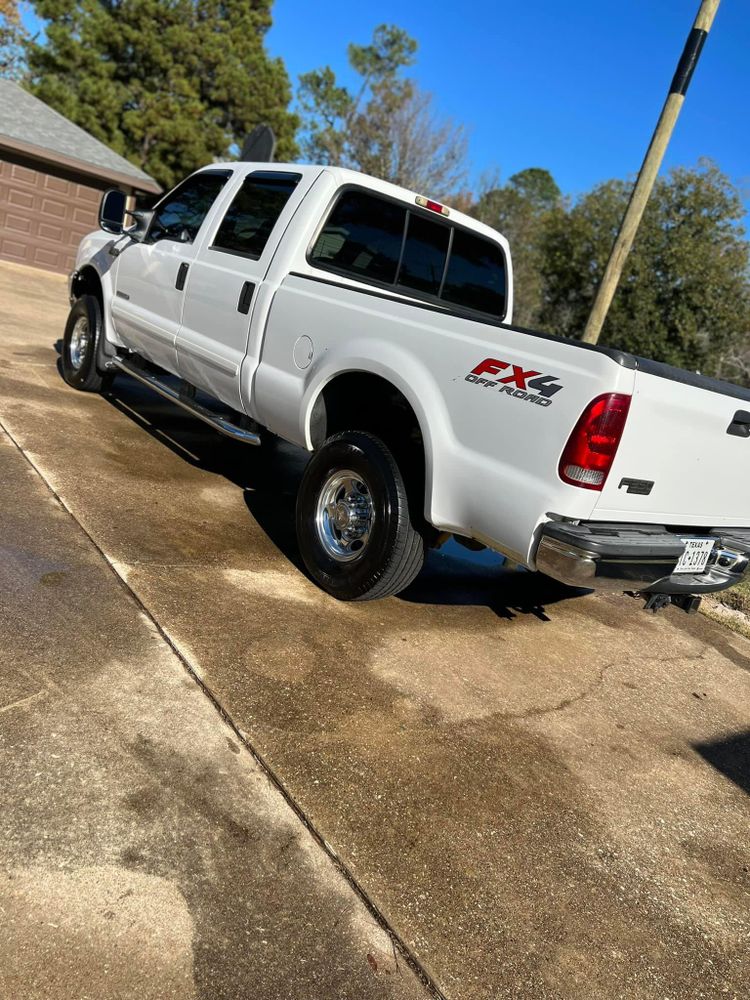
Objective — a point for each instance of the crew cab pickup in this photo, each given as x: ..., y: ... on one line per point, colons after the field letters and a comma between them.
x: 373, y: 327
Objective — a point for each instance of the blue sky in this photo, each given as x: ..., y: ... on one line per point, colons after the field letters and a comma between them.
x: 573, y: 87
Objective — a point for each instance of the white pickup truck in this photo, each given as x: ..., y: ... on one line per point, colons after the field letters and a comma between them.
x: 372, y: 326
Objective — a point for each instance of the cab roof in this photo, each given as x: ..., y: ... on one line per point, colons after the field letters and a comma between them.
x: 343, y: 176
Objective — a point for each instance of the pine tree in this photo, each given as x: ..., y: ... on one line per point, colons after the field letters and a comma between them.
x: 169, y: 84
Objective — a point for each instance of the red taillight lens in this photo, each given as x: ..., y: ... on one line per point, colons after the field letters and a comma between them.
x: 591, y: 448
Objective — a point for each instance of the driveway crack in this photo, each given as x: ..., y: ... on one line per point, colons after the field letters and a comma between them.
x: 597, y: 682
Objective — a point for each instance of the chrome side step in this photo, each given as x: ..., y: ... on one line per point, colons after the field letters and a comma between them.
x: 131, y: 366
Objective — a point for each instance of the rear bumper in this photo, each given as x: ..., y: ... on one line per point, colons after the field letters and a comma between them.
x: 638, y: 557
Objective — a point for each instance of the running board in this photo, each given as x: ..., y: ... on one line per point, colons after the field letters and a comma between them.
x: 130, y: 366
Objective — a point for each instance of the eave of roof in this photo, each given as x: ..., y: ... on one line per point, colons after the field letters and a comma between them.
x: 30, y: 126
x: 80, y: 166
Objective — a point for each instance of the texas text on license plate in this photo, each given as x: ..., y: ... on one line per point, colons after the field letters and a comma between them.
x: 695, y: 556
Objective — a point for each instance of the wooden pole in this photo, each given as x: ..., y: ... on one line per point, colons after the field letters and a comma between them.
x: 650, y: 168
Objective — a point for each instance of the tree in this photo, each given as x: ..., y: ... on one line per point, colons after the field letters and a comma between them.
x: 170, y: 84
x: 387, y: 127
x: 12, y: 36
x: 520, y: 210
x: 684, y: 297
x: 734, y: 364
x: 421, y: 149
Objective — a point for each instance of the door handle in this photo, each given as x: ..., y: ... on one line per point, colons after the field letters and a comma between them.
x: 740, y: 425
x: 246, y: 297
x: 182, y: 271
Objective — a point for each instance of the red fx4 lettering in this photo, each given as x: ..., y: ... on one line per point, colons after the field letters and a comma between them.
x: 492, y: 366
x: 544, y: 385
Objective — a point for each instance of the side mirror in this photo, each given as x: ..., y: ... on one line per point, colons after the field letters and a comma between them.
x: 112, y: 211
x: 139, y: 230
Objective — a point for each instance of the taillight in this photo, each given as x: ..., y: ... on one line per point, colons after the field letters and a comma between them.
x: 591, y: 448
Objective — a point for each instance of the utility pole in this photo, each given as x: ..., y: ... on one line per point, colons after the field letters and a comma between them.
x: 650, y: 168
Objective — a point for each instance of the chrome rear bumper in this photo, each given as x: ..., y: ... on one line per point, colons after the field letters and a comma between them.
x: 638, y: 557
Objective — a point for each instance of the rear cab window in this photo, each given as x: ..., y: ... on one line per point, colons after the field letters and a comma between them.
x: 363, y: 237
x: 425, y: 254
x: 475, y: 276
x: 397, y: 246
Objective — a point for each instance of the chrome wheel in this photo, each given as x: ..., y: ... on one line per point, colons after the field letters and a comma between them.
x: 79, y: 342
x: 344, y: 516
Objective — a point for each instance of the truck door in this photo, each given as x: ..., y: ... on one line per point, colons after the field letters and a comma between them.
x: 151, y: 276
x: 224, y: 284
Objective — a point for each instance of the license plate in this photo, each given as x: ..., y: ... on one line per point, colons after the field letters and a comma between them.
x: 695, y: 556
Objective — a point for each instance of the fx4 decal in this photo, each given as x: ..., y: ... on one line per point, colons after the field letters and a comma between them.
x: 521, y: 383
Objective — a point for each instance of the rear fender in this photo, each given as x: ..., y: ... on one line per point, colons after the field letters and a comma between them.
x: 418, y: 387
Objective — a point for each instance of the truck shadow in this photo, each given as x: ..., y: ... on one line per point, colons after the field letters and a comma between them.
x: 455, y: 576
x: 269, y: 478
x: 731, y: 756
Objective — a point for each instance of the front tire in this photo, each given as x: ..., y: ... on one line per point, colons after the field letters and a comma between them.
x: 354, y: 526
x: 80, y: 341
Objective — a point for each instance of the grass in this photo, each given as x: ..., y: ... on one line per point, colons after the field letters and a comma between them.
x: 731, y: 608
x: 737, y: 598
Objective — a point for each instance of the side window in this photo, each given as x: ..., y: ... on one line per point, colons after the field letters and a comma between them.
x: 423, y: 260
x: 254, y: 212
x: 476, y: 274
x: 362, y: 235
x: 180, y: 215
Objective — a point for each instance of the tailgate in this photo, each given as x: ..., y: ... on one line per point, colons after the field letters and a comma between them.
x: 677, y: 462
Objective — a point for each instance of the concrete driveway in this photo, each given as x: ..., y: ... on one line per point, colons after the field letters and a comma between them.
x: 536, y: 793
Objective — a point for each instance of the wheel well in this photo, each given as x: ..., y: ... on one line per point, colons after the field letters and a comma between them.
x: 365, y: 402
x: 87, y: 282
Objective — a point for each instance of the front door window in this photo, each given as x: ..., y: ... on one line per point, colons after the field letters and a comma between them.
x: 180, y: 215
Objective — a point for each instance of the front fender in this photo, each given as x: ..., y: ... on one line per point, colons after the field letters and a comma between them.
x: 94, y: 254
x: 93, y: 251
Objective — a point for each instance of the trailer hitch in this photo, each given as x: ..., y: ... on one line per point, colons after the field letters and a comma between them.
x: 689, y: 603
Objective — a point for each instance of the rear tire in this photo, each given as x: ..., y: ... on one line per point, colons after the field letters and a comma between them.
x: 354, y: 528
x: 80, y: 342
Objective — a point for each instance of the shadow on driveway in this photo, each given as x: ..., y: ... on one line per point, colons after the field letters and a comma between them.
x: 731, y: 756
x: 269, y: 477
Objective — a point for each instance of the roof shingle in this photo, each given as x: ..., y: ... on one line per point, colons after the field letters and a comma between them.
x: 26, y: 119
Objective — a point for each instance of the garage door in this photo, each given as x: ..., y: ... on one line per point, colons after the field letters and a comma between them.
x: 43, y: 215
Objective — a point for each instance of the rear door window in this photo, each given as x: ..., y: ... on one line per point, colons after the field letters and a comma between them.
x: 362, y: 236
x: 256, y: 208
x: 180, y: 215
x: 475, y: 278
